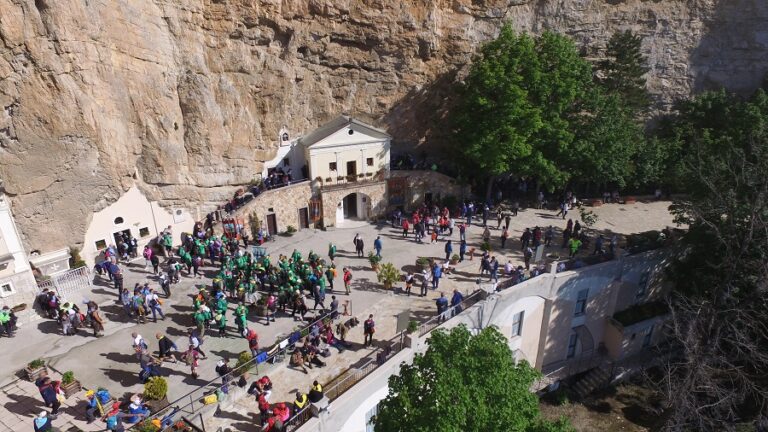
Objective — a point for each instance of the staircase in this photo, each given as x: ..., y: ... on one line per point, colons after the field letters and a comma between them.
x: 594, y: 379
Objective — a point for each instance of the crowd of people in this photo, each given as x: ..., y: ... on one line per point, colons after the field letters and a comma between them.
x: 247, y: 288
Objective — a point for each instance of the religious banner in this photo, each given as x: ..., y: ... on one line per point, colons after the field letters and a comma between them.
x: 396, y: 188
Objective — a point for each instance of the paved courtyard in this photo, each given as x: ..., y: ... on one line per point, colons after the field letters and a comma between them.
x: 109, y: 361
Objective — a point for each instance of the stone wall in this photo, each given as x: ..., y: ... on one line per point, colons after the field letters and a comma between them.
x: 375, y: 193
x: 185, y: 98
x: 421, y: 183
x: 284, y: 203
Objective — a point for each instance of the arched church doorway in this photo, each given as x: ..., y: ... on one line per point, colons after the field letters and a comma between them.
x: 354, y: 206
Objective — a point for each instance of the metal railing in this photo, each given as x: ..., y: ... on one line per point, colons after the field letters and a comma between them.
x: 187, y: 405
x: 345, y: 381
x: 436, y: 320
x: 67, y: 282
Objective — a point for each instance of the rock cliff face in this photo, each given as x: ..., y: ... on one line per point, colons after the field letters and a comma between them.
x: 185, y: 97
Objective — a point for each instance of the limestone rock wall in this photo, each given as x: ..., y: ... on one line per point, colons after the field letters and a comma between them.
x: 185, y: 97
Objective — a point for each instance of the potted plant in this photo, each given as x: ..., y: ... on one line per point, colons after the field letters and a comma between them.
x: 630, y: 200
x: 290, y: 230
x: 69, y: 385
x: 156, y: 393
x: 374, y: 260
x: 35, y: 369
x: 486, y: 246
x: 351, y: 178
x: 369, y: 174
x: 339, y: 178
x: 388, y: 275
x: 361, y: 175
x: 261, y: 307
x: 455, y: 259
x: 422, y: 262
x: 145, y: 426
x: 410, y: 337
x: 243, y: 359
x: 328, y: 179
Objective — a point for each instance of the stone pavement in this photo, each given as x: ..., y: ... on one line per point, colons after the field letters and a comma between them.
x: 109, y: 361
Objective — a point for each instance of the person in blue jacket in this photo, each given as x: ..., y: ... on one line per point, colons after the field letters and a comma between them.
x: 43, y: 423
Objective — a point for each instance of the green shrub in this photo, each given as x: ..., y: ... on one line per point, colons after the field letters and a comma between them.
x: 156, y: 388
x: 422, y: 261
x: 486, y: 246
x: 68, y: 377
x: 388, y: 275
x: 36, y: 364
x: 290, y: 229
x: 455, y: 257
x: 75, y: 261
x: 243, y: 359
x: 373, y: 258
x: 413, y: 326
x: 145, y: 426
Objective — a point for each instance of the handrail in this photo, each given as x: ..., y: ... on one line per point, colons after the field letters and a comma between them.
x: 449, y: 313
x: 232, y: 375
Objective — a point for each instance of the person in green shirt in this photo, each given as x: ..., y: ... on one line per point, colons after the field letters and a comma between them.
x: 574, y: 244
x: 5, y: 322
x: 199, y: 318
x: 167, y: 244
x: 332, y: 251
x: 241, y: 317
x: 221, y: 320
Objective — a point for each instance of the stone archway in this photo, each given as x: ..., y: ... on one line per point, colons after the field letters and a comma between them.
x: 354, y: 206
x: 353, y: 202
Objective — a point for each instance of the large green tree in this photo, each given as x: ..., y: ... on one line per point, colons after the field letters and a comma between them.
x: 529, y: 106
x: 720, y: 301
x: 464, y: 383
x: 623, y: 70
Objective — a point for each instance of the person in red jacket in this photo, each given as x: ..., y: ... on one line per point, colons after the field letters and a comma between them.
x: 405, y: 227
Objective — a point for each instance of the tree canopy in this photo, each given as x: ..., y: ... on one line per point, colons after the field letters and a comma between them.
x: 623, y: 70
x: 464, y: 383
x: 530, y: 106
x: 719, y: 305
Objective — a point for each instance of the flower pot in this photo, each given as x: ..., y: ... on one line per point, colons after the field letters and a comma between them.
x: 261, y: 310
x: 630, y: 200
x: 71, y: 388
x: 410, y: 340
x: 375, y: 267
x: 18, y: 308
x: 157, y: 405
x: 453, y: 261
x: 34, y: 374
x: 596, y: 203
x: 388, y: 285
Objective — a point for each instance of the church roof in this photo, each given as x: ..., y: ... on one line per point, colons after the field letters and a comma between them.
x: 337, y: 124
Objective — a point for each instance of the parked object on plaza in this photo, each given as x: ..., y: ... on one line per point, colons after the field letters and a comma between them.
x: 69, y: 385
x: 35, y: 369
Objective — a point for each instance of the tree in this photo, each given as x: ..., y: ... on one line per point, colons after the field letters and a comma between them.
x: 531, y: 107
x: 464, y: 383
x: 623, y: 71
x: 719, y: 306
x: 608, y: 142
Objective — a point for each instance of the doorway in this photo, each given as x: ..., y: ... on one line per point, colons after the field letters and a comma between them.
x: 118, y: 236
x: 303, y: 218
x: 272, y: 224
x: 352, y: 169
x: 350, y: 206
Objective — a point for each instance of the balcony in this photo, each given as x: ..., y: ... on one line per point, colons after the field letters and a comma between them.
x: 343, y: 182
